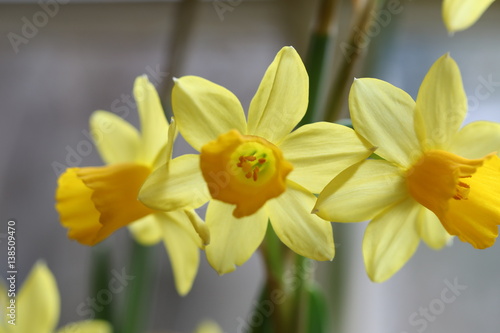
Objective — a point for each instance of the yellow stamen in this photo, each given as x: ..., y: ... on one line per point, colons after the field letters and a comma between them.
x: 243, y: 170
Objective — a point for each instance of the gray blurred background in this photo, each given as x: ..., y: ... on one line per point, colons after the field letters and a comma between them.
x: 87, y: 56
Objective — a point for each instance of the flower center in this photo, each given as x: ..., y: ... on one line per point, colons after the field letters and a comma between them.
x: 243, y: 170
x: 440, y: 176
x: 463, y: 193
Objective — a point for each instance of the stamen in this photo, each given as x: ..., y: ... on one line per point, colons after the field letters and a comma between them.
x: 250, y: 158
x: 463, y: 190
x: 248, y: 175
x: 262, y: 160
x: 255, y: 173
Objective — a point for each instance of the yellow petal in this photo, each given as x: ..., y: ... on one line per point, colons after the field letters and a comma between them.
x: 146, y: 230
x: 232, y: 240
x: 383, y: 115
x: 94, y: 202
x: 182, y: 244
x: 181, y: 186
x: 390, y: 240
x: 477, y: 139
x: 282, y: 98
x: 38, y: 302
x: 441, y: 105
x: 431, y: 230
x: 204, y: 110
x: 116, y: 140
x: 208, y: 326
x: 199, y: 225
x: 461, y: 14
x: 361, y: 192
x: 476, y: 219
x: 320, y: 151
x: 154, y: 125
x: 87, y: 326
x: 303, y: 232
x: 165, y: 154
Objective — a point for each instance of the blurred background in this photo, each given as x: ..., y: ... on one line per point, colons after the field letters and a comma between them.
x: 86, y: 55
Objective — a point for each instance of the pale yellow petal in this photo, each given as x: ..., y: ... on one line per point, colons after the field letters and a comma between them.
x: 461, y: 14
x: 183, y: 248
x: 441, y: 104
x: 87, y: 326
x: 390, y: 240
x: 116, y: 140
x: 282, y: 98
x: 303, y: 232
x: 320, y: 151
x: 383, y: 115
x: 38, y: 302
x: 208, y: 326
x: 199, y: 225
x: 232, y: 240
x: 146, y: 230
x: 204, y: 110
x: 476, y: 140
x: 361, y: 192
x: 154, y: 125
x: 431, y: 230
x: 181, y: 186
x: 165, y: 155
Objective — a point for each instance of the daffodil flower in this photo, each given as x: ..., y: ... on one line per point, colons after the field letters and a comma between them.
x: 93, y: 202
x: 461, y: 14
x: 435, y: 179
x: 254, y: 171
x: 37, y: 307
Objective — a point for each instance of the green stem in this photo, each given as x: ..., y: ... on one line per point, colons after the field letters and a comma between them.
x: 300, y: 299
x: 352, y: 50
x: 138, y: 292
x: 320, y: 56
x: 101, y: 274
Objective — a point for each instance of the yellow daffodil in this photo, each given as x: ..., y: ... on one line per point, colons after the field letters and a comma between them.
x: 37, y: 305
x: 93, y: 202
x: 461, y: 14
x: 255, y: 171
x: 434, y: 179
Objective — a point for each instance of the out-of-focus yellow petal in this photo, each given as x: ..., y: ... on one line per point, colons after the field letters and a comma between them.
x: 38, y: 302
x: 199, y: 225
x: 181, y: 186
x: 154, y: 125
x: 232, y: 240
x: 303, y: 232
x: 431, y: 230
x: 441, y: 105
x: 208, y: 326
x: 383, y: 115
x: 146, y: 230
x: 476, y: 219
x: 282, y: 98
x: 461, y: 14
x: 390, y: 240
x: 87, y: 326
x: 361, y: 192
x: 204, y: 110
x: 116, y: 140
x: 320, y: 151
x: 94, y: 202
x: 182, y: 244
x: 477, y: 139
